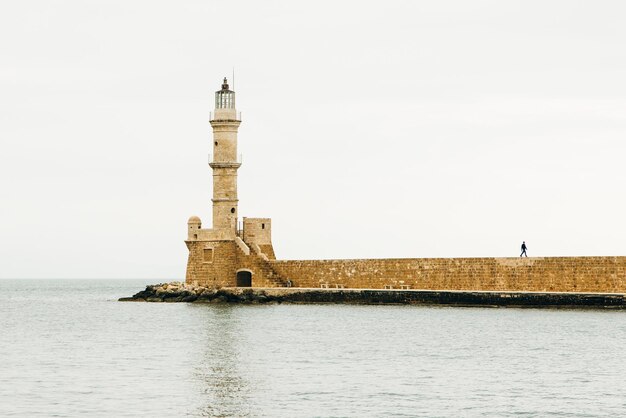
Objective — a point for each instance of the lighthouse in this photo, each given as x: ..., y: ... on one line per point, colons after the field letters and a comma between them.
x: 224, y: 161
x: 225, y: 255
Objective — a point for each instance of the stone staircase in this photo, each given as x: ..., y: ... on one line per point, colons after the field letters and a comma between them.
x: 262, y: 266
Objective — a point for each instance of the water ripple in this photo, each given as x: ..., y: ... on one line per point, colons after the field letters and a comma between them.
x: 68, y: 349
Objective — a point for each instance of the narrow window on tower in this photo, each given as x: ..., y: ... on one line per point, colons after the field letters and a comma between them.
x: 207, y: 255
x: 262, y: 226
x: 232, y: 210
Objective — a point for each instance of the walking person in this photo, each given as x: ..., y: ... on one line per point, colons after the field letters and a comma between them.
x: 523, y: 249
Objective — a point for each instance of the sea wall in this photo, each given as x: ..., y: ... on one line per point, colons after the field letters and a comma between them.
x: 180, y: 292
x: 538, y: 274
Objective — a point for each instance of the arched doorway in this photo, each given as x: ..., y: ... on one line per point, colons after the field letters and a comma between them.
x: 244, y: 278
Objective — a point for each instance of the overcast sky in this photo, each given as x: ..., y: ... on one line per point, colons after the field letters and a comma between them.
x: 370, y: 129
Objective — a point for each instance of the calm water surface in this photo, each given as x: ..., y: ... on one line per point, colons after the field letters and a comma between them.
x: 67, y: 348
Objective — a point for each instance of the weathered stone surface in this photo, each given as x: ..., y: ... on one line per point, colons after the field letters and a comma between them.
x: 535, y: 274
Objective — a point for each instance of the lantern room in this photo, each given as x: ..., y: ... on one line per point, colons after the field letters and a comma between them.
x: 225, y: 98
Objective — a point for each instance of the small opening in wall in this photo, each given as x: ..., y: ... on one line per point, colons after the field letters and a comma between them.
x: 232, y: 210
x: 244, y: 279
x: 198, y: 226
x: 262, y: 226
x: 195, y: 236
x: 207, y: 255
x: 216, y: 143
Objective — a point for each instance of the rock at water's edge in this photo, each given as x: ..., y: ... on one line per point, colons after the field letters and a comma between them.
x: 181, y: 292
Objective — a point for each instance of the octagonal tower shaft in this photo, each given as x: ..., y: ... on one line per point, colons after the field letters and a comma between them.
x: 225, y: 123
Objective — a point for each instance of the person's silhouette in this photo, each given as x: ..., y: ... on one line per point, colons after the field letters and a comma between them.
x: 523, y: 249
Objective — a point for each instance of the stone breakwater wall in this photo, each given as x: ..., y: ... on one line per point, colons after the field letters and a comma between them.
x: 534, y: 274
x: 177, y: 292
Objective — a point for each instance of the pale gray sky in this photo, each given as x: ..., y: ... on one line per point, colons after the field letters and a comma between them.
x: 370, y: 129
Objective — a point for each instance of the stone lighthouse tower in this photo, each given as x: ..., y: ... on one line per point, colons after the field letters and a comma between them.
x: 225, y: 161
x: 224, y: 255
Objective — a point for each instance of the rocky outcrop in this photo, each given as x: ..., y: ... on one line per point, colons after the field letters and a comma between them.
x: 181, y: 292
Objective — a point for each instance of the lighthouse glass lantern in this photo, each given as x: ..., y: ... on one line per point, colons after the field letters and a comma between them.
x: 225, y: 98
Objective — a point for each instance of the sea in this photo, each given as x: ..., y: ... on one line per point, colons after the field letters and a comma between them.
x: 69, y: 348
